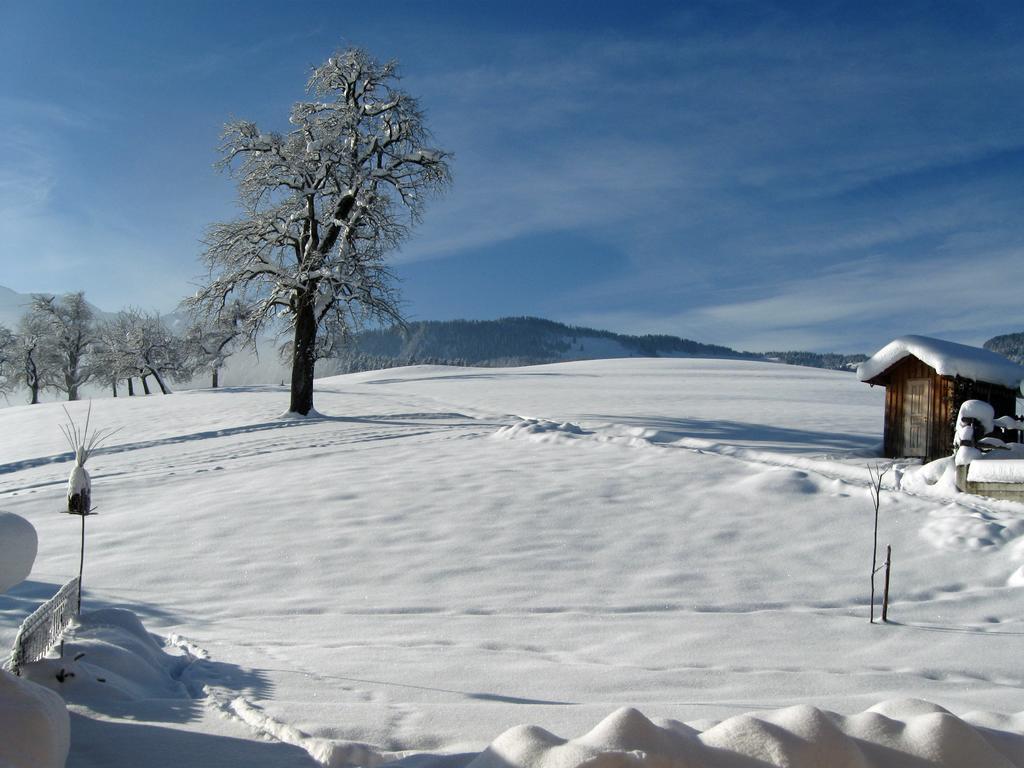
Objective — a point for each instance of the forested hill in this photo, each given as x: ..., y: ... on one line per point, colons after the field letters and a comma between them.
x: 530, y: 340
x: 1009, y: 345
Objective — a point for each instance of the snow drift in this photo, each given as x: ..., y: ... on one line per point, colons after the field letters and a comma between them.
x: 894, y: 733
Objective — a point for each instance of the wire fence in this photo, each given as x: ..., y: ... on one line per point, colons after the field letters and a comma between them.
x: 43, y: 629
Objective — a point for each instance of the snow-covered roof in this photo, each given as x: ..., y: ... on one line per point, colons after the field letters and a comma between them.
x: 947, y: 358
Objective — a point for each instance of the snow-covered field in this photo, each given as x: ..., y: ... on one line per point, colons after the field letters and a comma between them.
x: 448, y: 553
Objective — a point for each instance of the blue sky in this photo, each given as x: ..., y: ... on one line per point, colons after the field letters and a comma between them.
x: 765, y: 175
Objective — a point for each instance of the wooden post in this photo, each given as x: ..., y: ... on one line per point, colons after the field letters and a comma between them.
x: 81, y: 562
x: 885, y: 594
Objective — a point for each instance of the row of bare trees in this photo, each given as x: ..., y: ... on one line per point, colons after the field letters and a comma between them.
x: 60, y: 345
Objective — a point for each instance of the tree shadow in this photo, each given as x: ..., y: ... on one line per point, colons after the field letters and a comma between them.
x: 22, y: 600
x: 275, y: 389
x: 458, y: 376
x: 952, y: 629
x: 473, y: 695
x: 285, y: 422
x: 763, y: 436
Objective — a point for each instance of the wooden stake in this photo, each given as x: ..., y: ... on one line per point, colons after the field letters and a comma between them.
x: 885, y: 594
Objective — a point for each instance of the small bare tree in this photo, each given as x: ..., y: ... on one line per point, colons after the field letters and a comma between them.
x: 322, y: 205
x: 875, y: 474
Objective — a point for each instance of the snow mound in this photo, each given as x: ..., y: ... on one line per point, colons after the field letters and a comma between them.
x: 937, y: 476
x: 18, y: 546
x: 893, y: 733
x: 778, y: 480
x: 295, y: 416
x: 541, y: 431
x: 954, y: 527
x: 947, y: 358
x: 117, y: 661
x: 35, y: 730
x: 1016, y: 579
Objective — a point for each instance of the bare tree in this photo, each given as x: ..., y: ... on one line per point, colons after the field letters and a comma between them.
x: 211, y: 341
x: 71, y: 333
x: 322, y: 205
x: 115, y: 357
x: 137, y: 343
x: 160, y: 352
x: 8, y: 360
x: 875, y: 474
x: 36, y: 362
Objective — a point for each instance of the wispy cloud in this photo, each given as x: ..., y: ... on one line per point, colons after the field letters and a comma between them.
x: 756, y: 171
x: 853, y: 307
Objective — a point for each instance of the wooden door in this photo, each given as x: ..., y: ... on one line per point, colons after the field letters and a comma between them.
x: 916, y: 401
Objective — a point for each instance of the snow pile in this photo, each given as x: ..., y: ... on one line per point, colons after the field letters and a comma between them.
x: 541, y: 431
x: 18, y: 545
x: 34, y: 725
x: 992, y: 470
x: 109, y: 656
x: 947, y: 358
x: 934, y: 478
x: 900, y: 732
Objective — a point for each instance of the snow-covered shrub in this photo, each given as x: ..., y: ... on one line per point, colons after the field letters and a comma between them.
x: 83, y: 445
x: 979, y: 411
x: 18, y: 546
x: 35, y: 730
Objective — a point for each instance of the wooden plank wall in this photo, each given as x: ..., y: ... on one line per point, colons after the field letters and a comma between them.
x: 895, y: 388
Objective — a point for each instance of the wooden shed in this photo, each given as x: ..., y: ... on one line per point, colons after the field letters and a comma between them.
x: 926, y: 380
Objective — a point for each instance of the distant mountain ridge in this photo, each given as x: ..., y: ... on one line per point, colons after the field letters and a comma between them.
x: 511, y: 341
x: 1009, y: 345
x: 13, y: 305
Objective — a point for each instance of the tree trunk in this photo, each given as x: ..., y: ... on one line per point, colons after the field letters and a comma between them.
x: 71, y: 375
x: 131, y: 387
x: 34, y: 391
x: 159, y: 381
x: 113, y: 386
x: 145, y: 385
x: 303, y: 359
x: 215, y: 372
